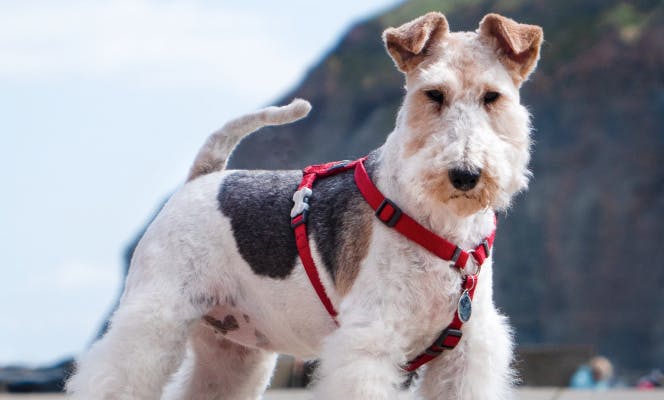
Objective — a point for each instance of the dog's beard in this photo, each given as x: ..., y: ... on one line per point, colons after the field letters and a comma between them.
x: 465, y: 204
x: 483, y: 197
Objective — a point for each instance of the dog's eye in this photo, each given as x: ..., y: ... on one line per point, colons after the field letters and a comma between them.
x: 435, y: 95
x: 490, y: 97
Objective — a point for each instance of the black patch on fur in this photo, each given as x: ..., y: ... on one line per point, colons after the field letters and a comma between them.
x: 261, y: 339
x: 229, y: 323
x: 258, y: 204
x: 410, y: 378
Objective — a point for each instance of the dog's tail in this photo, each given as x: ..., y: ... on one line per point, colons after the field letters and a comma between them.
x: 214, y: 154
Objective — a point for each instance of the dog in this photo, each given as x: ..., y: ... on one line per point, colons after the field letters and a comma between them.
x: 218, y: 286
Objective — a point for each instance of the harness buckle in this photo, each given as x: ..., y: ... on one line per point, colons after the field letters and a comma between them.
x: 301, y: 200
x: 394, y: 217
x: 487, y: 249
x: 447, y: 340
x: 433, y: 352
x: 456, y: 255
x: 299, y: 219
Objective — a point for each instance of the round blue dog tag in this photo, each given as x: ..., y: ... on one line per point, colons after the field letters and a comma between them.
x: 465, y: 307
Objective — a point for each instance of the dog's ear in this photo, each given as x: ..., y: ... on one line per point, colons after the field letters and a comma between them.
x: 518, y: 44
x: 409, y: 44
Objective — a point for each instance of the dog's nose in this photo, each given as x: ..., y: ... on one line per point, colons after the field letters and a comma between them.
x: 464, y: 179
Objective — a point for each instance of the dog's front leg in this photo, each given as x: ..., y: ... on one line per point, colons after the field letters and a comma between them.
x: 359, y: 361
x: 479, y: 367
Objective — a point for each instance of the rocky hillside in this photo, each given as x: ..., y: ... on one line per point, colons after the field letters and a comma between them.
x: 577, y: 258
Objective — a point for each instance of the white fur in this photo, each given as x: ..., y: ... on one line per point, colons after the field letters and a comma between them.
x: 402, y: 298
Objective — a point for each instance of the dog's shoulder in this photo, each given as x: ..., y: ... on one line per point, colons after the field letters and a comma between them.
x: 341, y: 225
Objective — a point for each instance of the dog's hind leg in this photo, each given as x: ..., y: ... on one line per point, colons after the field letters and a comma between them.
x: 217, y: 368
x: 144, y: 345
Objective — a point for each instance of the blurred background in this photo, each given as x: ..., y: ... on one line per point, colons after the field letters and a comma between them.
x: 104, y: 104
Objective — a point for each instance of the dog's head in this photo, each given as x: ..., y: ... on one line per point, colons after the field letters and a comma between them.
x: 462, y: 133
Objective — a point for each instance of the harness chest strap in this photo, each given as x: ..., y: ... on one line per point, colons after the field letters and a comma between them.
x: 451, y: 335
x: 392, y: 216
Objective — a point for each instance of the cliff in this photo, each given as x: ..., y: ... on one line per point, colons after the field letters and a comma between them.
x: 577, y: 258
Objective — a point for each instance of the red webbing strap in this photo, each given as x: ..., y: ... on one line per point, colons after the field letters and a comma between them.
x: 481, y: 252
x: 392, y: 216
x: 450, y: 337
x: 303, y: 248
x: 299, y: 224
x: 313, y: 172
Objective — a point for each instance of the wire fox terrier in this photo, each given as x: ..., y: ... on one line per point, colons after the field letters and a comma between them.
x: 363, y: 268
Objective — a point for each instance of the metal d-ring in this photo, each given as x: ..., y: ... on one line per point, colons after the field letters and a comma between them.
x: 470, y: 289
x: 472, y: 259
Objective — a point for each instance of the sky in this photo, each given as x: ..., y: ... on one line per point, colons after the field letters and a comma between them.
x: 103, y: 106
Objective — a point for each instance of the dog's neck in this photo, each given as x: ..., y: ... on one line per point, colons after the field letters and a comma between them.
x: 464, y: 231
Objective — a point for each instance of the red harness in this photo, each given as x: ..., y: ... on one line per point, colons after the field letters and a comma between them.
x: 392, y: 216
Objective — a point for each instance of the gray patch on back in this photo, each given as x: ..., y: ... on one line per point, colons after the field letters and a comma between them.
x: 258, y: 204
